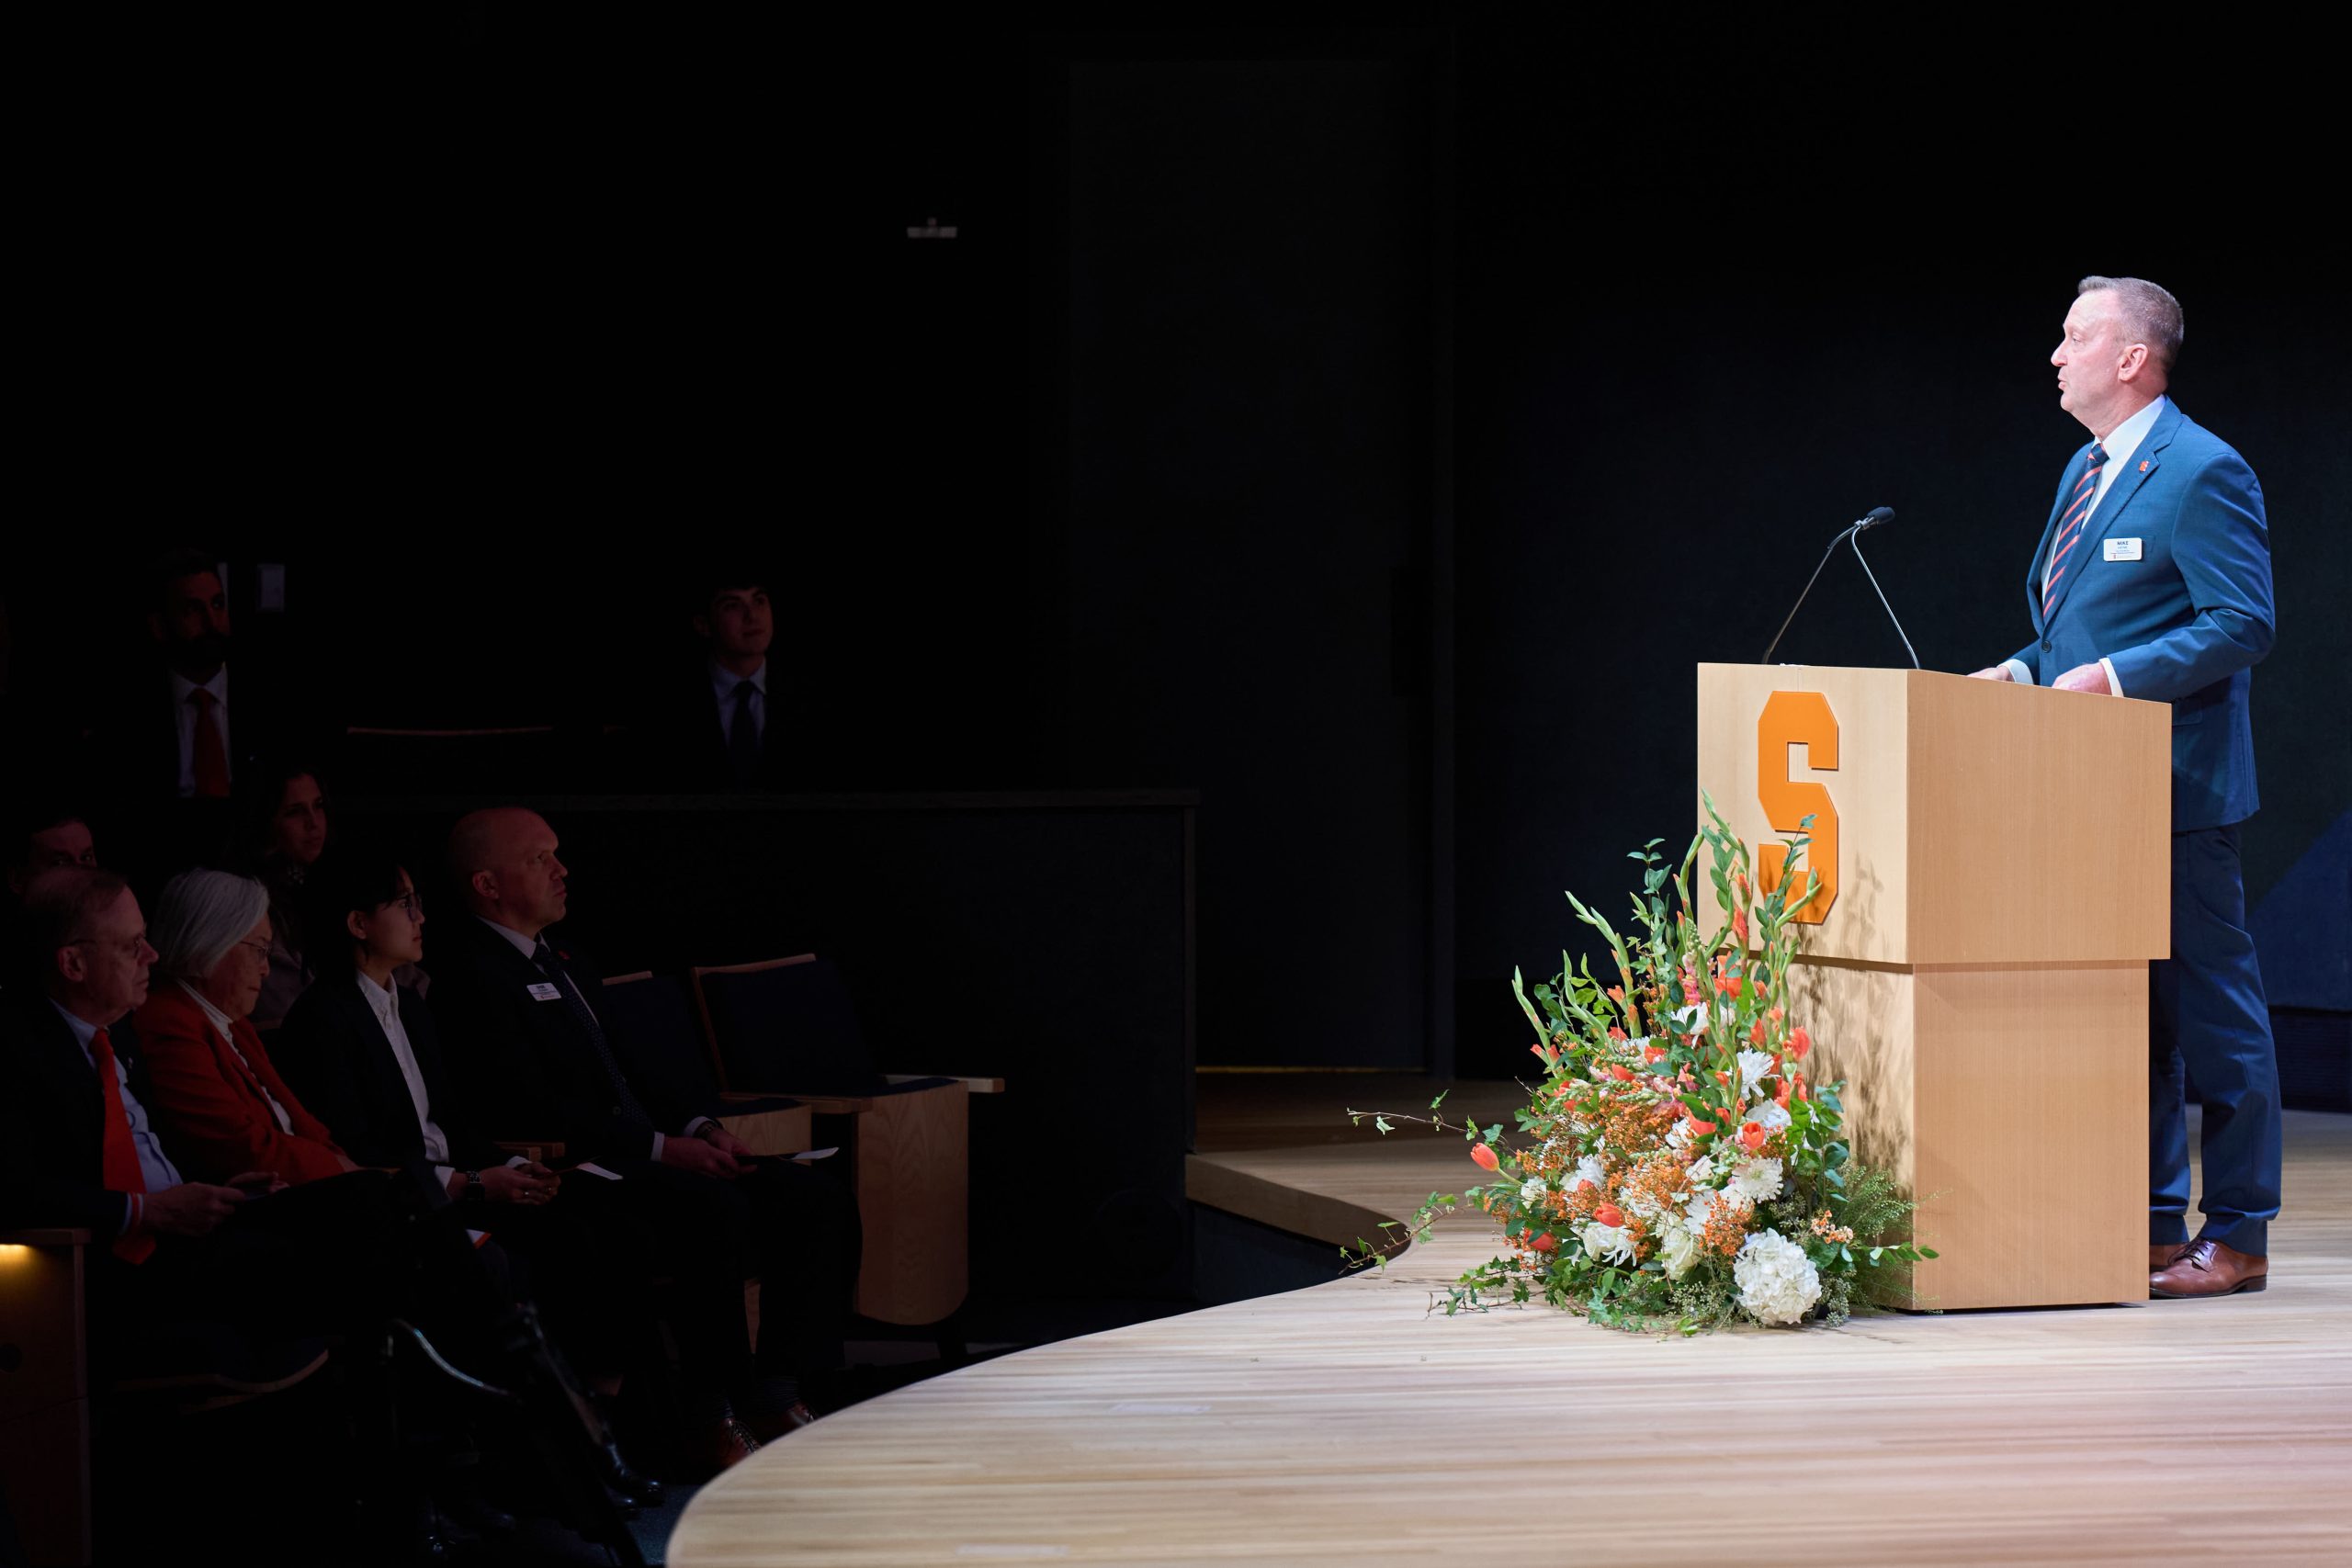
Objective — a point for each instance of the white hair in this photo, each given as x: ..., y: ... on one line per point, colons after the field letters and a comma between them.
x: 201, y: 916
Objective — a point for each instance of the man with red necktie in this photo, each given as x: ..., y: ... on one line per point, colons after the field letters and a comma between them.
x: 79, y: 1149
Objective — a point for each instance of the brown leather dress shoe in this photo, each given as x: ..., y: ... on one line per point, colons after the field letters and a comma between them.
x: 2210, y: 1268
x: 2163, y: 1255
x: 770, y: 1426
x: 728, y: 1443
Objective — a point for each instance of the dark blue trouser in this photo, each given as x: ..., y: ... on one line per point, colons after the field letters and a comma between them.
x: 2205, y: 1010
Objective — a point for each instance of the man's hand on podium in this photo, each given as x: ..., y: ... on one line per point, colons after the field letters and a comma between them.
x: 2083, y: 678
x: 1990, y: 672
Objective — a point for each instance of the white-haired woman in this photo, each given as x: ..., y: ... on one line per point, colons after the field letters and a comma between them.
x: 223, y: 1106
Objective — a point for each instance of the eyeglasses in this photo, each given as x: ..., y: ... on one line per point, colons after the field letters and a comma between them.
x: 130, y: 948
x: 411, y: 903
x: 259, y: 949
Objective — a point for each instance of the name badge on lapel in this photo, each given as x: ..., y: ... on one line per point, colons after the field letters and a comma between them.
x: 2123, y: 549
x: 545, y: 990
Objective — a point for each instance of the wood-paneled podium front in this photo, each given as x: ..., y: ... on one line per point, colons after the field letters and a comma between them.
x: 1976, y: 969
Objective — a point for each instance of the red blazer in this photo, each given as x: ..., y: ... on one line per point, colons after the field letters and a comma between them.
x: 213, y: 1117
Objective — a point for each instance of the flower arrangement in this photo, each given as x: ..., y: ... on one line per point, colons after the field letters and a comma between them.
x: 1674, y: 1166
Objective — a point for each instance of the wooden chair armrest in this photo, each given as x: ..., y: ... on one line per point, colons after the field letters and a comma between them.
x: 540, y: 1149
x: 971, y: 1086
x: 45, y: 1238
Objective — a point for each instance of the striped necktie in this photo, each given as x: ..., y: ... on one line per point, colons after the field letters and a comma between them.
x: 2070, y: 527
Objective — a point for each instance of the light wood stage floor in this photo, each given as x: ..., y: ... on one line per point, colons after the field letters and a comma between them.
x: 1342, y: 1424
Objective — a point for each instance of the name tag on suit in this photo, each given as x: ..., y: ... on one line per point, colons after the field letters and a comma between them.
x: 2121, y: 549
x: 545, y: 990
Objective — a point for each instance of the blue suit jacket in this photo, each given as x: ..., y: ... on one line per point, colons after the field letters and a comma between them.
x: 2184, y: 624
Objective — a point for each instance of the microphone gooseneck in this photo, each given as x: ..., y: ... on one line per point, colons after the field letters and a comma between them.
x: 1871, y: 519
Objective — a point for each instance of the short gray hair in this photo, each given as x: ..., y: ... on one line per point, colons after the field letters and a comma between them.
x: 2151, y: 315
x: 201, y: 916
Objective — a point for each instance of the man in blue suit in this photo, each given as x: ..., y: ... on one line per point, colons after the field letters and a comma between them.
x: 2152, y: 581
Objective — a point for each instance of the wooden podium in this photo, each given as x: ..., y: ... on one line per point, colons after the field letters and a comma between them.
x: 1979, y: 973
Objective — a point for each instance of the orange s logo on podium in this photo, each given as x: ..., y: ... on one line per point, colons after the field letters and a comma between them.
x: 1798, y: 718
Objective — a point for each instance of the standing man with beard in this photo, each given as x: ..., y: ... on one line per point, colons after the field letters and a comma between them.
x: 2152, y: 581
x: 182, y: 738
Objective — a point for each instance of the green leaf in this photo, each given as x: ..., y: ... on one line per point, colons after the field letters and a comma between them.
x: 1381, y: 1122
x: 1438, y: 1101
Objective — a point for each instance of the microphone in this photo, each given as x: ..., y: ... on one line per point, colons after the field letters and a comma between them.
x: 1877, y: 516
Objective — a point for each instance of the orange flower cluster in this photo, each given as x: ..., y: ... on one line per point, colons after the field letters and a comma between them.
x: 1726, y: 1228
x: 1827, y: 1230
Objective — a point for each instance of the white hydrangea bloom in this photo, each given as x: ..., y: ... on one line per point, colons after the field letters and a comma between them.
x: 1608, y: 1244
x: 1758, y: 1180
x: 1753, y: 1067
x: 1532, y: 1193
x: 1778, y: 1283
x: 1678, y: 1249
x: 1771, y: 1115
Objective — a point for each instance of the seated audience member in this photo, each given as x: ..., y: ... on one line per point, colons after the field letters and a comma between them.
x: 365, y: 1055
x: 79, y: 1149
x: 345, y: 1254
x: 289, y: 833
x: 219, y: 1097
x: 45, y: 834
x: 525, y: 1031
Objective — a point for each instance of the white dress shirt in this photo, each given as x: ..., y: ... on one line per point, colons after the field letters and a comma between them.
x: 155, y: 1167
x: 228, y: 1032
x: 528, y: 947
x: 184, y: 723
x: 2121, y: 443
x: 723, y: 683
x: 384, y: 1001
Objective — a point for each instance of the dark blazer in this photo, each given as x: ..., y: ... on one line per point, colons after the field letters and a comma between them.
x: 678, y: 737
x: 52, y: 1119
x: 338, y: 1056
x: 2183, y: 610
x: 525, y: 1064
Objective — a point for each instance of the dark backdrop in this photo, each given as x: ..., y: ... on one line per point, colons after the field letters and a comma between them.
x: 1368, y: 426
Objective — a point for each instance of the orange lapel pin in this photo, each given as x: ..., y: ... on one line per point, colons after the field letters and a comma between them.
x: 2143, y: 465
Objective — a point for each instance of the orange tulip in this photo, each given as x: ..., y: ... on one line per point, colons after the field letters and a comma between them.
x: 1751, y: 1137
x: 1610, y: 1214
x: 1485, y: 1157
x: 1700, y: 1129
x: 1799, y: 1043
x: 1622, y: 1073
x: 1545, y: 1243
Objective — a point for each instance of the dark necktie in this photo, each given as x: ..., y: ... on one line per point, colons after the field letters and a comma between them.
x: 743, y: 735
x: 117, y: 1153
x: 624, y: 1098
x: 2070, y: 526
x: 208, y: 758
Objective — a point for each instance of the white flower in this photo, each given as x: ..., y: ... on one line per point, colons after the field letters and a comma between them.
x: 1756, y: 1179
x: 1588, y: 1168
x: 1778, y: 1283
x: 1753, y: 1065
x: 1533, y: 1192
x: 1678, y: 1249
x: 1771, y: 1115
x: 1701, y: 1170
x: 1608, y: 1244
x: 1687, y: 1019
x: 1640, y: 1206
x: 1643, y: 1043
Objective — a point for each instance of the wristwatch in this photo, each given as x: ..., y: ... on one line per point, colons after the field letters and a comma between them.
x: 473, y: 1184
